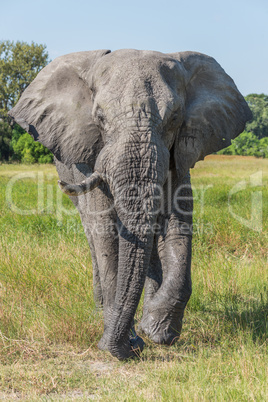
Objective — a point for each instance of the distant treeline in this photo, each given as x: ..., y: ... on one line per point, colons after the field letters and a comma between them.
x: 20, y: 62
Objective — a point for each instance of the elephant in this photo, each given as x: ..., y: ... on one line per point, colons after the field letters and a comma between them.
x: 125, y: 127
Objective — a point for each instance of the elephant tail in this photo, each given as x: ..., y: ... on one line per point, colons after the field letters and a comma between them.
x: 84, y: 187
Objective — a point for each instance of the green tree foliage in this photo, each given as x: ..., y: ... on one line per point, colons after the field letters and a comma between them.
x: 19, y: 65
x: 259, y: 107
x: 27, y: 150
x: 5, y: 139
x: 247, y: 144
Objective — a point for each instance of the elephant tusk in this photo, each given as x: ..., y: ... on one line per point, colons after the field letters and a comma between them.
x: 82, y: 188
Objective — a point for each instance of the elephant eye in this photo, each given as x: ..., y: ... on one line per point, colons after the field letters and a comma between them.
x: 174, y: 120
x: 100, y: 116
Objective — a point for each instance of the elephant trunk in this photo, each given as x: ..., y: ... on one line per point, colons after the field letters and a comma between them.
x: 137, y: 186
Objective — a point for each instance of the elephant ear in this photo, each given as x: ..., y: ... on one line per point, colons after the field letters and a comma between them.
x: 56, y: 109
x: 215, y: 111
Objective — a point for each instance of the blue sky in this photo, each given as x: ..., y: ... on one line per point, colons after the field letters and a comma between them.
x: 234, y: 32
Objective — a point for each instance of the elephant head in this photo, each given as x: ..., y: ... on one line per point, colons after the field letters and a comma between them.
x: 128, y: 114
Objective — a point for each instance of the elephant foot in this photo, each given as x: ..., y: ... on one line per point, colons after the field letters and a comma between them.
x: 131, y: 348
x: 161, y: 328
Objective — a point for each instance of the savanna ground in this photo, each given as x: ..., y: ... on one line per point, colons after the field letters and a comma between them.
x: 50, y: 328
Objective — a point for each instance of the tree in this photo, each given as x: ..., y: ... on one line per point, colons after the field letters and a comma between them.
x: 19, y: 65
x: 29, y: 151
x: 247, y: 144
x: 259, y: 107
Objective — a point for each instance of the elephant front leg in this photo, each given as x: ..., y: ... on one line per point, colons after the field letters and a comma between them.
x: 106, y: 251
x: 105, y: 276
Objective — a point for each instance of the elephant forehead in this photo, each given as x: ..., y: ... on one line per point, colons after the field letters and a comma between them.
x: 136, y: 66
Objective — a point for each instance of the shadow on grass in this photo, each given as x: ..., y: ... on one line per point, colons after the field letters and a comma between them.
x: 252, y: 316
x: 233, y: 312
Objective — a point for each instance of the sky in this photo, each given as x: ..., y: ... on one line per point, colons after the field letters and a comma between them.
x: 234, y: 32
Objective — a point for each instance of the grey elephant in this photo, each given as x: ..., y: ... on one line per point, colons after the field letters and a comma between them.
x: 125, y: 127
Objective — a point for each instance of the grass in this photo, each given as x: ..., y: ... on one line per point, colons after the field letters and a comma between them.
x: 50, y: 327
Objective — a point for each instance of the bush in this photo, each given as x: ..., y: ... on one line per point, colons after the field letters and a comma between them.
x: 264, y: 147
x: 247, y: 144
x: 28, y: 151
x: 259, y: 107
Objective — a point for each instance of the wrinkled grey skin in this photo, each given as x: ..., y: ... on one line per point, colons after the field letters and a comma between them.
x: 139, y: 120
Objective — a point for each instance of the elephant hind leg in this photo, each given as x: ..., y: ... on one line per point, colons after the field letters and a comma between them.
x: 162, y: 321
x: 154, y: 276
x: 164, y: 310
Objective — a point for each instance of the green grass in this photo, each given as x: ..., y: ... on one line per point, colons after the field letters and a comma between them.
x: 50, y: 327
